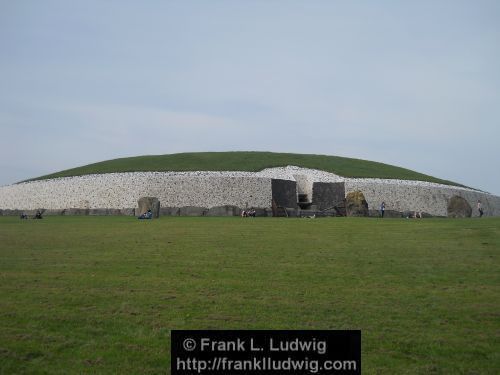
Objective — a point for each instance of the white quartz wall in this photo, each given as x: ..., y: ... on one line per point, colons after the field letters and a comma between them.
x: 403, y: 196
x: 241, y: 189
x: 122, y: 190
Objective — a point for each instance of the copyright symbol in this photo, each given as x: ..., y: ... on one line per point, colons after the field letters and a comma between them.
x: 189, y: 345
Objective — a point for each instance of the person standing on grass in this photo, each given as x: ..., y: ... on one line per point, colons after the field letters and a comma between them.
x: 382, y: 209
x: 480, y: 208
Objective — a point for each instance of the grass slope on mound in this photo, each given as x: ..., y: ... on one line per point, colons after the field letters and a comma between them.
x: 100, y: 294
x: 248, y: 161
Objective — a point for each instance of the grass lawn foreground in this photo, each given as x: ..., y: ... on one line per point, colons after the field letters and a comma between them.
x: 101, y: 294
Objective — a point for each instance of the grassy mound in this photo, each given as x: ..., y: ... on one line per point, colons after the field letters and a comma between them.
x: 248, y: 161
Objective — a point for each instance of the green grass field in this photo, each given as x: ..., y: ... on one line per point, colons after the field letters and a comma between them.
x: 248, y: 161
x: 101, y: 294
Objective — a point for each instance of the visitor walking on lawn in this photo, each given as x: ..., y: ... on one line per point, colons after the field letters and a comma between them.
x: 480, y: 208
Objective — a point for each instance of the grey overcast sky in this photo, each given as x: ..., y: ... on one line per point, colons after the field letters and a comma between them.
x: 410, y: 83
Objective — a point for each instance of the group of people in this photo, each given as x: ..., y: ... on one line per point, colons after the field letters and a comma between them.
x: 249, y: 213
x: 146, y: 215
x: 415, y: 215
x: 38, y: 215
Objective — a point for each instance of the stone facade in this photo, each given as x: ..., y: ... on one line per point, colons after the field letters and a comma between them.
x: 196, y: 193
x: 424, y: 197
x: 122, y: 190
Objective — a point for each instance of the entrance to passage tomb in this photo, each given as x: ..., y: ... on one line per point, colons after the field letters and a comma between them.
x: 307, y: 197
x: 320, y: 196
x: 304, y: 191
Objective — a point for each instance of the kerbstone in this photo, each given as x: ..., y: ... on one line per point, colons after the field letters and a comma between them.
x: 149, y: 203
x: 356, y: 204
x: 458, y: 207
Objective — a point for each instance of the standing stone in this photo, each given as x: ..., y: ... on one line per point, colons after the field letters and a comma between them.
x: 148, y: 203
x: 458, y: 207
x: 356, y: 204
